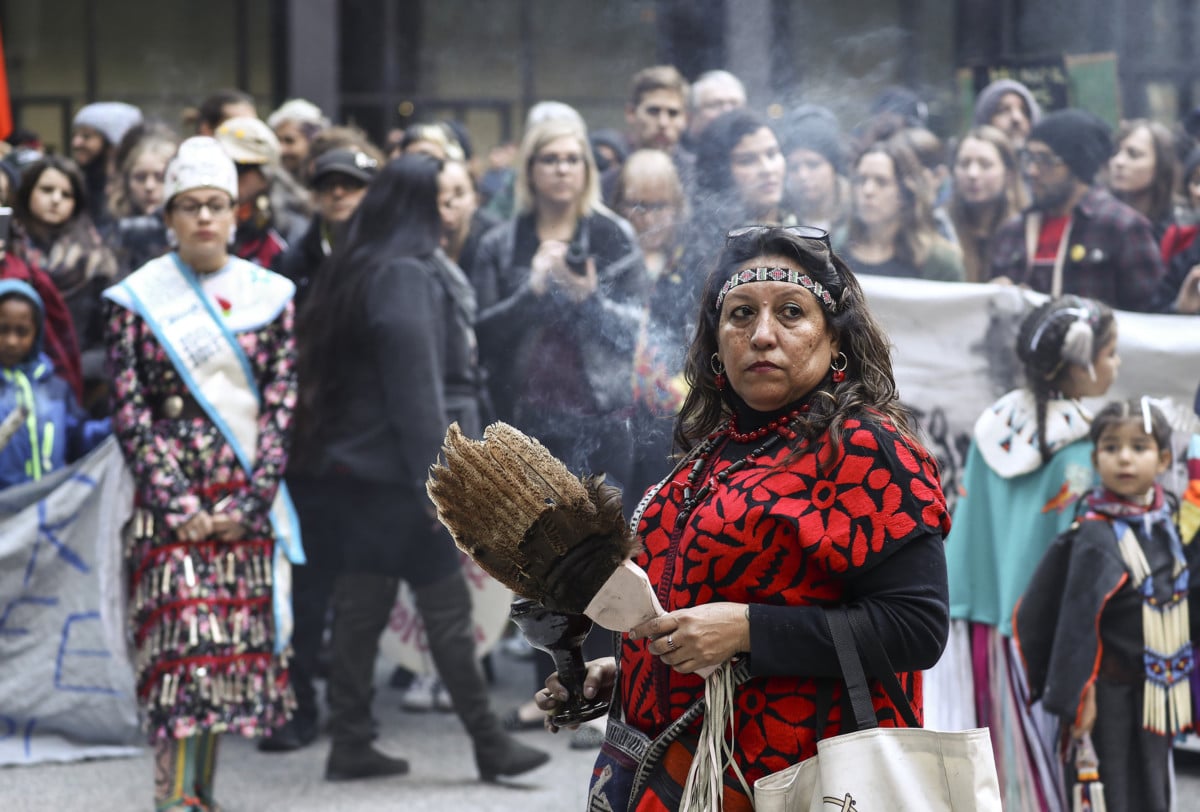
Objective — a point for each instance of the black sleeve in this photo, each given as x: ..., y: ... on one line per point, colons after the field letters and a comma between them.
x: 907, y: 598
x: 403, y: 315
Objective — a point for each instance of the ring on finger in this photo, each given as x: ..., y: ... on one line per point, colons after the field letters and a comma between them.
x: 671, y: 643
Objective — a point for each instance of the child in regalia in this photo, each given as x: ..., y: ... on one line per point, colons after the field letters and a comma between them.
x: 1104, y: 627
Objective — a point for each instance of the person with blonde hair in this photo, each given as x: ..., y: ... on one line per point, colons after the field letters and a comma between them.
x: 137, y: 198
x: 560, y: 290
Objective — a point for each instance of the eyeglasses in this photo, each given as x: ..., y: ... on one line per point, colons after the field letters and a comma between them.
x: 190, y: 208
x: 555, y: 161
x: 803, y: 232
x: 1042, y: 160
x: 142, y: 177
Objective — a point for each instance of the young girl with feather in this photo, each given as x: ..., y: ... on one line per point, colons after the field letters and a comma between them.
x: 1104, y: 628
x: 1028, y: 463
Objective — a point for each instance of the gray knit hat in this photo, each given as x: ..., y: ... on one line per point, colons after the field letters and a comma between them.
x: 989, y: 100
x: 816, y: 128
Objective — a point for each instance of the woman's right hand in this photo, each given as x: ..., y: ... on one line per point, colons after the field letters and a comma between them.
x: 197, y: 528
x: 601, y: 674
x: 551, y: 254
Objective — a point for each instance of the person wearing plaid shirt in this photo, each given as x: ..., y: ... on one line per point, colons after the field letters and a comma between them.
x: 1076, y: 237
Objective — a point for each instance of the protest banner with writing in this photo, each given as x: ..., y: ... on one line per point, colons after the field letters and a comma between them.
x: 66, y: 684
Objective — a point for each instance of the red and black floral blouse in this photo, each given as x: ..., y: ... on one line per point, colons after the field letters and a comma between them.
x: 780, y: 536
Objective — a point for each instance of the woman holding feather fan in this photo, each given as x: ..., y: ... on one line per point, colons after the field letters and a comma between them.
x: 802, y: 489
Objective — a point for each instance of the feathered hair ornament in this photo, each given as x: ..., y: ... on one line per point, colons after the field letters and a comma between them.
x: 543, y: 532
x: 1078, y: 345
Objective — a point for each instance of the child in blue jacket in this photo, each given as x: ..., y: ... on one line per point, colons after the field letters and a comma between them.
x: 42, y: 427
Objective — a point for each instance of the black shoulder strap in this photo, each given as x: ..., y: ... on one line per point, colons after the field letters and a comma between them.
x: 878, y: 661
x: 852, y: 670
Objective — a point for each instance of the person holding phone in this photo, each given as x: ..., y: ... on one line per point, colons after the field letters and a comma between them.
x: 561, y: 289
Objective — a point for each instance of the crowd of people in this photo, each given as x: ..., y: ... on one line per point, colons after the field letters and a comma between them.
x: 279, y: 318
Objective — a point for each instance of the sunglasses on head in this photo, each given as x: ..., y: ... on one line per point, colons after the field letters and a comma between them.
x: 804, y: 232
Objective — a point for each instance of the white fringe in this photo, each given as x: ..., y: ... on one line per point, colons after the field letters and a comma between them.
x: 704, y: 790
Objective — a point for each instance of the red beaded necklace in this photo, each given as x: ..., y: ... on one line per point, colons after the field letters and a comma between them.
x: 782, y: 430
x: 779, y: 424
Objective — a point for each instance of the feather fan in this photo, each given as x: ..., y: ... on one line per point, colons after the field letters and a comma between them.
x: 543, y: 532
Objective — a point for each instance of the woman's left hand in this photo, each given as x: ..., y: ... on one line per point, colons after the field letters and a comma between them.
x: 699, y: 636
x: 577, y: 287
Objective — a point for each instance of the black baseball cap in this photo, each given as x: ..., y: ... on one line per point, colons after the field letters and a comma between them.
x: 353, y: 163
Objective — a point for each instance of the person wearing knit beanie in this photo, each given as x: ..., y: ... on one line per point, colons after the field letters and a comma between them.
x: 1080, y: 139
x: 815, y: 128
x: 96, y: 131
x: 1010, y: 107
x: 109, y: 120
x: 1076, y: 237
x: 817, y: 187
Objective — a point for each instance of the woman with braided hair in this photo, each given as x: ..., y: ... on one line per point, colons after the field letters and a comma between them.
x: 1029, y: 461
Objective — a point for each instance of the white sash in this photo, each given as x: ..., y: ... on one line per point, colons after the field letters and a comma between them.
x: 180, y: 311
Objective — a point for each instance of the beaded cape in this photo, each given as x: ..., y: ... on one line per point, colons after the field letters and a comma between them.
x: 785, y: 533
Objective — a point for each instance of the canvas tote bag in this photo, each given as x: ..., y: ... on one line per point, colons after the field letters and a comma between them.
x: 874, y: 768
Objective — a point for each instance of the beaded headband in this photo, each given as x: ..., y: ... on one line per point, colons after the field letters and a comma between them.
x: 778, y: 275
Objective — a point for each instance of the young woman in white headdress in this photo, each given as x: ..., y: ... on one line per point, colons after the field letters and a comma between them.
x: 201, y: 354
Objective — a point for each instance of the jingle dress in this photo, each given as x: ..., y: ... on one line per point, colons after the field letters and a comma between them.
x: 200, y: 613
x: 782, y: 536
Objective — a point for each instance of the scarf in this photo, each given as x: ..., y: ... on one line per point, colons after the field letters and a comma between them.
x: 1166, y: 634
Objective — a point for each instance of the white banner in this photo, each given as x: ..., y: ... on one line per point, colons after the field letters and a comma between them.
x: 954, y: 356
x: 66, y: 683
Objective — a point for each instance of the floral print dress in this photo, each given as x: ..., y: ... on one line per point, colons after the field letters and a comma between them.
x: 200, y: 613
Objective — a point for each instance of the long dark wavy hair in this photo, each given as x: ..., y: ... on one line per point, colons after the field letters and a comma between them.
x: 869, y: 388
x: 1048, y: 359
x: 29, y: 181
x: 397, y: 218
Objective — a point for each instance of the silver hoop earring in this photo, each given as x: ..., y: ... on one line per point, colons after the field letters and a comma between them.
x: 715, y: 364
x: 838, y: 365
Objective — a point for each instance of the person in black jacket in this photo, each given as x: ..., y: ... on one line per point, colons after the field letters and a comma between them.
x: 386, y: 341
x: 339, y: 179
x: 561, y: 290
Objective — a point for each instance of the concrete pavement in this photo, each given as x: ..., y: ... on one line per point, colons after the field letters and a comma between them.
x: 443, y: 773
x: 442, y: 777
